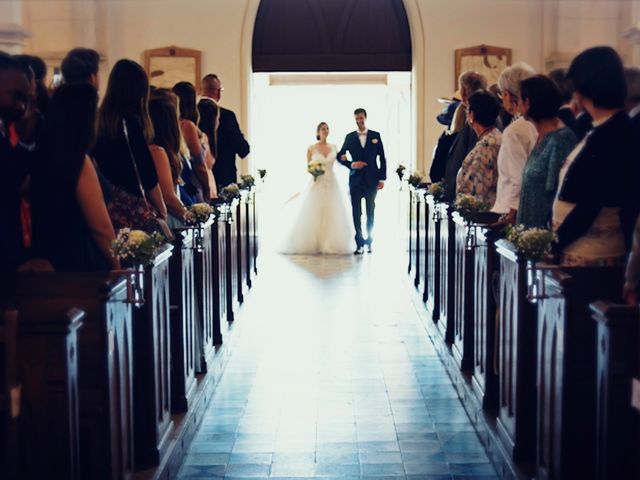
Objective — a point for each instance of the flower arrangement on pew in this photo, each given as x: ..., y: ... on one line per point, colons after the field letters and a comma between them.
x: 415, y: 179
x: 400, y: 171
x: 136, y: 249
x: 197, y: 214
x: 247, y: 182
x: 532, y: 244
x: 230, y: 192
x: 468, y: 206
x: 316, y: 169
x: 436, y: 190
x: 262, y: 173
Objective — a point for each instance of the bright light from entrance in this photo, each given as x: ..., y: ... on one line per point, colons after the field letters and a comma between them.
x: 286, y: 109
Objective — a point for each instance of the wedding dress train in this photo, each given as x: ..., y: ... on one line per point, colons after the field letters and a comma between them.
x: 320, y: 223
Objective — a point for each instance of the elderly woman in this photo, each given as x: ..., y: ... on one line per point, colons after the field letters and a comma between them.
x: 478, y: 175
x: 596, y: 205
x: 518, y: 139
x: 540, y: 101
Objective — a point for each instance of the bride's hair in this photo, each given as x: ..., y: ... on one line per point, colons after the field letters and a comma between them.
x: 320, y: 125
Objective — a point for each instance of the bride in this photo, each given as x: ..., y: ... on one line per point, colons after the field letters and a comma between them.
x: 321, y: 224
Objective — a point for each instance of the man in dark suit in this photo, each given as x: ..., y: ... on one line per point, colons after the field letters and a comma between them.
x: 221, y: 126
x: 366, y: 176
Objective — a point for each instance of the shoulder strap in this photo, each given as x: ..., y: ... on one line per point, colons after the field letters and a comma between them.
x: 133, y: 162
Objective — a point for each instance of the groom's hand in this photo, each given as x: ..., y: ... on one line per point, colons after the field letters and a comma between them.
x: 380, y: 185
x: 358, y: 165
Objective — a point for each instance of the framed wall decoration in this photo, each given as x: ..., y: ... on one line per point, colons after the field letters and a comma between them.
x: 169, y: 65
x: 484, y: 59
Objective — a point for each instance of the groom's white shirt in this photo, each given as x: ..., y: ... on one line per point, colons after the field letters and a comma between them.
x: 362, y: 136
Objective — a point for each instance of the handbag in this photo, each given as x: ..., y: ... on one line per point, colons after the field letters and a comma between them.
x: 127, y: 210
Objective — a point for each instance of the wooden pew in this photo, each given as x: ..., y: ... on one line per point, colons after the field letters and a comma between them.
x: 105, y: 360
x: 447, y: 264
x: 40, y: 421
x: 421, y: 237
x: 566, y: 433
x: 182, y: 295
x: 463, y: 292
x: 241, y: 247
x: 411, y: 233
x: 219, y: 248
x: 432, y: 260
x: 205, y: 294
x: 484, y: 265
x: 152, y: 365
x: 250, y: 234
x: 517, y: 412
x: 618, y: 424
x: 231, y: 254
x: 254, y: 222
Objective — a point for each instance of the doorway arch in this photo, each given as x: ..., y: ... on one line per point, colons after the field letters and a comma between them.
x: 413, y: 14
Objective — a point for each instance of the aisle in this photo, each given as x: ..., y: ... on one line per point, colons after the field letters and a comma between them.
x: 333, y: 377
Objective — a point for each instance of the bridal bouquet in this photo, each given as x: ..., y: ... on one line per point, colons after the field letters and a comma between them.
x: 198, y: 213
x: 468, y: 205
x: 136, y: 247
x: 247, y: 181
x: 315, y: 169
x: 262, y: 173
x: 532, y: 243
x: 415, y: 179
x: 436, y: 190
x: 400, y: 171
x: 230, y: 192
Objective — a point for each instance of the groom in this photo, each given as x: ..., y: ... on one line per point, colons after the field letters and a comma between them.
x: 366, y: 177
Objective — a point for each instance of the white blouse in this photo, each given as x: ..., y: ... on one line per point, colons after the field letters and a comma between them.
x: 518, y: 139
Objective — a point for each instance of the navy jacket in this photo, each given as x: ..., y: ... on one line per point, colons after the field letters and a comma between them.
x: 370, y: 175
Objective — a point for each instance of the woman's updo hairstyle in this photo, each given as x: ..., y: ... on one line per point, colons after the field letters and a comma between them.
x: 320, y: 125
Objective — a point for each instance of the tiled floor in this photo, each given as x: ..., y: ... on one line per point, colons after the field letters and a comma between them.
x: 334, y: 377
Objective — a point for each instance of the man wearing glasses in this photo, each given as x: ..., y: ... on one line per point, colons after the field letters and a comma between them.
x: 221, y: 126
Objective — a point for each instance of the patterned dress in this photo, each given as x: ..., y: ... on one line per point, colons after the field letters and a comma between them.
x: 478, y: 175
x: 540, y: 177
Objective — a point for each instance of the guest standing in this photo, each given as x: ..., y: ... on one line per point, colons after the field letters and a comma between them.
x: 518, y: 140
x: 577, y: 120
x: 469, y: 83
x: 478, y: 175
x: 81, y: 65
x: 596, y: 206
x: 540, y: 102
x: 124, y: 132
x: 71, y: 224
x: 228, y: 141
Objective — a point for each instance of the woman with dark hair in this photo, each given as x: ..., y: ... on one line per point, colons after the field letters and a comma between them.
x: 478, y: 175
x: 71, y: 225
x: 540, y: 101
x: 124, y: 132
x: 166, y: 151
x: 594, y: 211
x: 199, y: 167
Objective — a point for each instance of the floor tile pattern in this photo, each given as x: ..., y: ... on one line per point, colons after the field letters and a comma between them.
x: 333, y: 377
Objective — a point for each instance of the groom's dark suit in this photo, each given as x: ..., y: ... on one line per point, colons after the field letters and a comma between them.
x: 363, y: 183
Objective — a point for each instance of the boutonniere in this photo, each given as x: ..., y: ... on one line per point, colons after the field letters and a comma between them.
x: 374, y: 141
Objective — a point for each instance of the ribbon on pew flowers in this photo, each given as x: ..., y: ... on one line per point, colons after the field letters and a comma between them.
x: 468, y: 207
x: 247, y: 182
x: 533, y: 245
x: 136, y: 249
x: 198, y: 214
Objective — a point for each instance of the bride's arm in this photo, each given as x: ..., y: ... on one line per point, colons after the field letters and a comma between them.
x: 341, y: 156
x: 308, y: 155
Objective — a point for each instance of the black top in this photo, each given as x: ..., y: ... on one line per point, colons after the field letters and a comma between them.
x: 439, y: 162
x: 114, y: 159
x: 462, y: 145
x: 208, y: 111
x: 370, y: 175
x: 15, y: 165
x: 580, y: 125
x: 231, y: 142
x: 602, y: 176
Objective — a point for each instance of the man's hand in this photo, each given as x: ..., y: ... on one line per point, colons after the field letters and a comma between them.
x: 358, y: 165
x: 380, y: 185
x: 343, y: 157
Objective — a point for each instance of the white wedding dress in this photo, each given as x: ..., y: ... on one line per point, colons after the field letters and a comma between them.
x: 320, y: 223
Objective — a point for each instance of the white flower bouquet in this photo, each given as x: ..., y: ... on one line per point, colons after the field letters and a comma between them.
x: 198, y: 213
x: 247, y: 181
x: 262, y: 173
x: 136, y: 247
x: 415, y: 179
x: 315, y: 169
x: 532, y: 243
x: 230, y: 192
x: 468, y: 205
x: 437, y: 190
